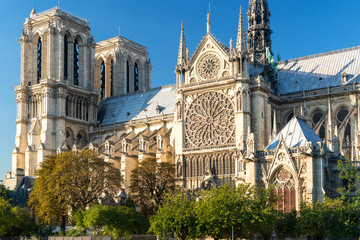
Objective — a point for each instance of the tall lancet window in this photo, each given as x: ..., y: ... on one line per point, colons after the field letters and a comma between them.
x: 39, y: 49
x: 136, y: 77
x: 66, y: 56
x: 112, y: 78
x: 127, y: 77
x: 102, y: 81
x: 76, y: 62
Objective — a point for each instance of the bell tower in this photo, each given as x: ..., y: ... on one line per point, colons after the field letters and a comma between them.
x: 259, y: 31
x: 56, y: 100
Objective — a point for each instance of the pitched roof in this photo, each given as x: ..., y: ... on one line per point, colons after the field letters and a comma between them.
x: 319, y: 71
x: 138, y: 105
x: 296, y: 133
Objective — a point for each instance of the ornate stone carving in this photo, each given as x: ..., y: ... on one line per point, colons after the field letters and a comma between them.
x: 208, y: 66
x: 210, y: 120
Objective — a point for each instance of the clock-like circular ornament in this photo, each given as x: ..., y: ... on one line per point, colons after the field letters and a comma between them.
x: 208, y: 66
x: 210, y: 120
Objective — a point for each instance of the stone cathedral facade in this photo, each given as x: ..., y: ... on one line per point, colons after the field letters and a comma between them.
x: 233, y: 115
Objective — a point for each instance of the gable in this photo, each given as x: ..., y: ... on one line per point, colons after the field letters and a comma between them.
x: 209, y: 62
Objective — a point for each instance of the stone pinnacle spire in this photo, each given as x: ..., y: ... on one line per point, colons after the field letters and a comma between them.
x: 241, y: 41
x: 182, y: 58
x: 208, y: 23
x: 33, y: 11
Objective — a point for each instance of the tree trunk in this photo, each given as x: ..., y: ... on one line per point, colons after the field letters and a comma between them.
x: 63, y: 223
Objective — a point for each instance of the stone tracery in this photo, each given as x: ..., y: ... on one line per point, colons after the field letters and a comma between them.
x: 208, y: 66
x: 209, y: 120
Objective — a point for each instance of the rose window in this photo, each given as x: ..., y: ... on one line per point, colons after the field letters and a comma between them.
x: 208, y: 66
x: 283, y: 175
x: 210, y: 121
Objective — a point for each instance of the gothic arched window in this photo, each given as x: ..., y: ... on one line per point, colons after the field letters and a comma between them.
x: 285, y: 190
x: 136, y: 77
x: 76, y: 62
x: 315, y: 119
x: 340, y: 116
x: 102, y: 80
x: 127, y: 77
x: 66, y: 56
x: 39, y: 49
x: 112, y: 78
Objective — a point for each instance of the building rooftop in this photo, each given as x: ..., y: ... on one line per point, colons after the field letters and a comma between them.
x: 139, y: 105
x: 296, y: 133
x: 319, y: 71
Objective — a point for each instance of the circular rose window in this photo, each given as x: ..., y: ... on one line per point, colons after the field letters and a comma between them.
x: 283, y: 175
x: 210, y: 120
x: 208, y: 66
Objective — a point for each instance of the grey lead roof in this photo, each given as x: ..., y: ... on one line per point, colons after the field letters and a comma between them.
x: 296, y: 133
x: 138, y: 105
x: 319, y: 71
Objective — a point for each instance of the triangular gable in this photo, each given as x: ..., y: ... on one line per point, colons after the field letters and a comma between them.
x: 208, y: 37
x: 296, y: 133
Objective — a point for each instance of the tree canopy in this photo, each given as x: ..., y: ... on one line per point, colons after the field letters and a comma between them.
x: 71, y: 181
x: 177, y: 215
x: 14, y: 221
x: 150, y: 181
x: 111, y: 220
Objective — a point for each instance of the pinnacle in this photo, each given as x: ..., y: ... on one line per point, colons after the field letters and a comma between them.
x: 33, y: 11
x: 241, y: 42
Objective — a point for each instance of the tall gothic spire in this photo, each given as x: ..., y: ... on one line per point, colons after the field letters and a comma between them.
x: 259, y: 30
x: 182, y: 57
x: 241, y: 42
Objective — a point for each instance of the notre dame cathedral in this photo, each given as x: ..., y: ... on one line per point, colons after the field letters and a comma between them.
x: 234, y: 114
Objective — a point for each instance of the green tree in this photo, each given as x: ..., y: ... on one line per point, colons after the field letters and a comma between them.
x: 4, y: 192
x: 14, y: 221
x: 72, y: 181
x: 263, y: 215
x: 110, y: 220
x: 7, y: 217
x: 149, y: 184
x: 335, y: 218
x: 351, y: 179
x: 286, y: 225
x: 177, y: 215
x: 221, y: 209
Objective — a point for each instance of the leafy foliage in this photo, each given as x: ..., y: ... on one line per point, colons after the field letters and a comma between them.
x: 176, y: 215
x: 350, y: 176
x: 149, y: 184
x: 71, y: 181
x: 335, y: 218
x: 263, y: 216
x: 14, y: 221
x: 287, y: 225
x: 111, y: 220
x: 4, y: 192
x: 221, y: 209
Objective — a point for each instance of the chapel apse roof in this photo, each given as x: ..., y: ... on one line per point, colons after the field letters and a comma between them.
x: 296, y: 133
x: 319, y: 71
x: 138, y: 105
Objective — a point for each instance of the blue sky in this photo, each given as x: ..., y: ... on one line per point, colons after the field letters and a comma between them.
x: 300, y: 28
